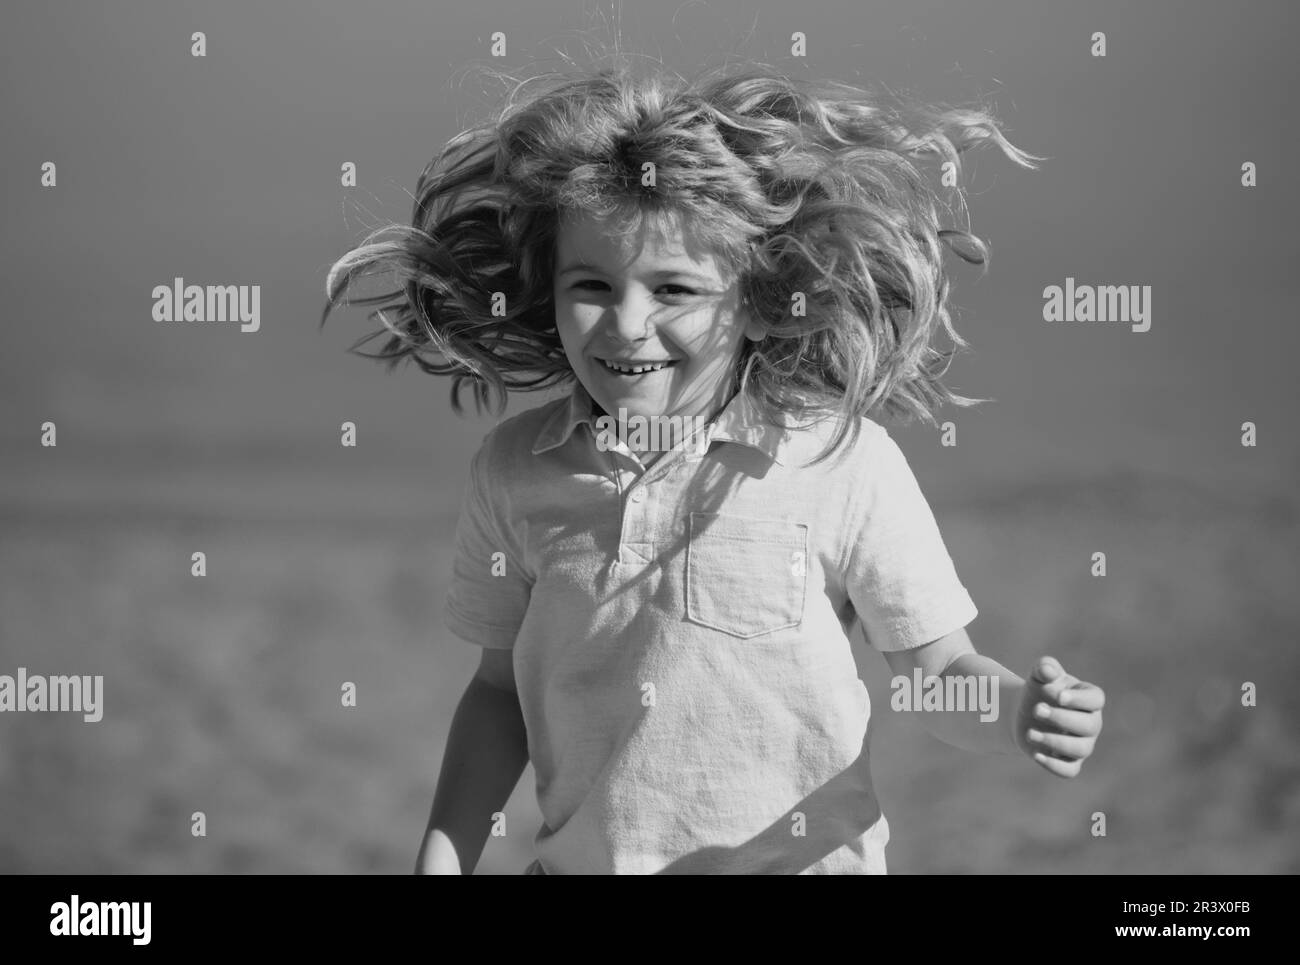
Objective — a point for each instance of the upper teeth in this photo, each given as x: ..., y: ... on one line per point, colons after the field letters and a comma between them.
x: 635, y: 369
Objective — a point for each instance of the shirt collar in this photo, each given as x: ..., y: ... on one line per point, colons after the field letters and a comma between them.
x: 556, y: 430
x: 740, y: 422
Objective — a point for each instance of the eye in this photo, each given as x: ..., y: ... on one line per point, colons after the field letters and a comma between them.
x: 587, y: 281
x: 681, y: 290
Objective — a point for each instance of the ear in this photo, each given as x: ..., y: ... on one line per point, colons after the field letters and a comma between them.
x: 755, y: 330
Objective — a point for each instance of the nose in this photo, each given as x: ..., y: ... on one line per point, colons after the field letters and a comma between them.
x: 630, y: 319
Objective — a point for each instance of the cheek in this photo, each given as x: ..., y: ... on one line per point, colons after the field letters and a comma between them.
x: 709, y: 339
x: 568, y: 322
x: 574, y: 314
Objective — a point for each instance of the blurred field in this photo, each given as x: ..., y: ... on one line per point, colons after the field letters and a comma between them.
x: 222, y: 694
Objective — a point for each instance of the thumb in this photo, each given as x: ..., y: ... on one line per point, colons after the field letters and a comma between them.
x: 1047, y: 669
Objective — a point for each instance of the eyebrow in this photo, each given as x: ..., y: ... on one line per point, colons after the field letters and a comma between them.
x: 663, y: 273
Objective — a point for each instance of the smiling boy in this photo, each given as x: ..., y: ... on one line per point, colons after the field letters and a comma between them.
x: 668, y: 639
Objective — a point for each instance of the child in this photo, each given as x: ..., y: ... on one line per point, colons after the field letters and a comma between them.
x: 754, y: 262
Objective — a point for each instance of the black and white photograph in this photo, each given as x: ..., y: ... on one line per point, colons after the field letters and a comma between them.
x: 634, y: 437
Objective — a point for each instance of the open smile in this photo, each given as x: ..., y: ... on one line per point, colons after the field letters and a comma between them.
x: 635, y: 366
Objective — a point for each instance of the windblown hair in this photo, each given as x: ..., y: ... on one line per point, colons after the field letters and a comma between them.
x: 812, y: 187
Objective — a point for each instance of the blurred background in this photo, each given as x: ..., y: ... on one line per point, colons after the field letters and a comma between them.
x: 329, y: 564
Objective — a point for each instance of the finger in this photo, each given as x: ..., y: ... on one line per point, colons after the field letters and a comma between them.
x: 1076, y: 722
x: 1059, y: 768
x: 1051, y: 678
x: 1064, y: 746
x: 1083, y: 696
x: 1052, y: 692
x: 1047, y: 669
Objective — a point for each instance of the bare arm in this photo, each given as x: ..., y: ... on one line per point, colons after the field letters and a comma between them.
x: 1052, y: 716
x: 954, y: 655
x: 486, y: 752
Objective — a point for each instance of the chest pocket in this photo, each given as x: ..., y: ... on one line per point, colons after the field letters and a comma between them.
x: 746, y: 576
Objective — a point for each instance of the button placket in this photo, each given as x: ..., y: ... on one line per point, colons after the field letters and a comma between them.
x: 636, y: 503
x: 634, y: 549
x: 637, y: 544
x: 630, y: 552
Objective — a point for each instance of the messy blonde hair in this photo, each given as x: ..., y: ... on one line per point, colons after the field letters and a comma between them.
x: 811, y: 187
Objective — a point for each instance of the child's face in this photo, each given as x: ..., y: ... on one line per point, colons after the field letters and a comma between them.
x: 650, y: 300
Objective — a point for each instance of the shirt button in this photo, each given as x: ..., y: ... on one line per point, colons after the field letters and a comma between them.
x: 638, y: 495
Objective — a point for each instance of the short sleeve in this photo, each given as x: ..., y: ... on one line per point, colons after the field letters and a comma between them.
x: 898, y: 573
x: 489, y: 587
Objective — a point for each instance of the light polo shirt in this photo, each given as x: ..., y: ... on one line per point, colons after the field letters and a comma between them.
x: 681, y: 634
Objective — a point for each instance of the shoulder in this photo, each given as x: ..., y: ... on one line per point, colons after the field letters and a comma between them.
x: 507, y: 447
x: 867, y: 480
x: 865, y: 444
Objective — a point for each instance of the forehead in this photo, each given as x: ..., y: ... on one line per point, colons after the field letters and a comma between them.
x: 665, y: 241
